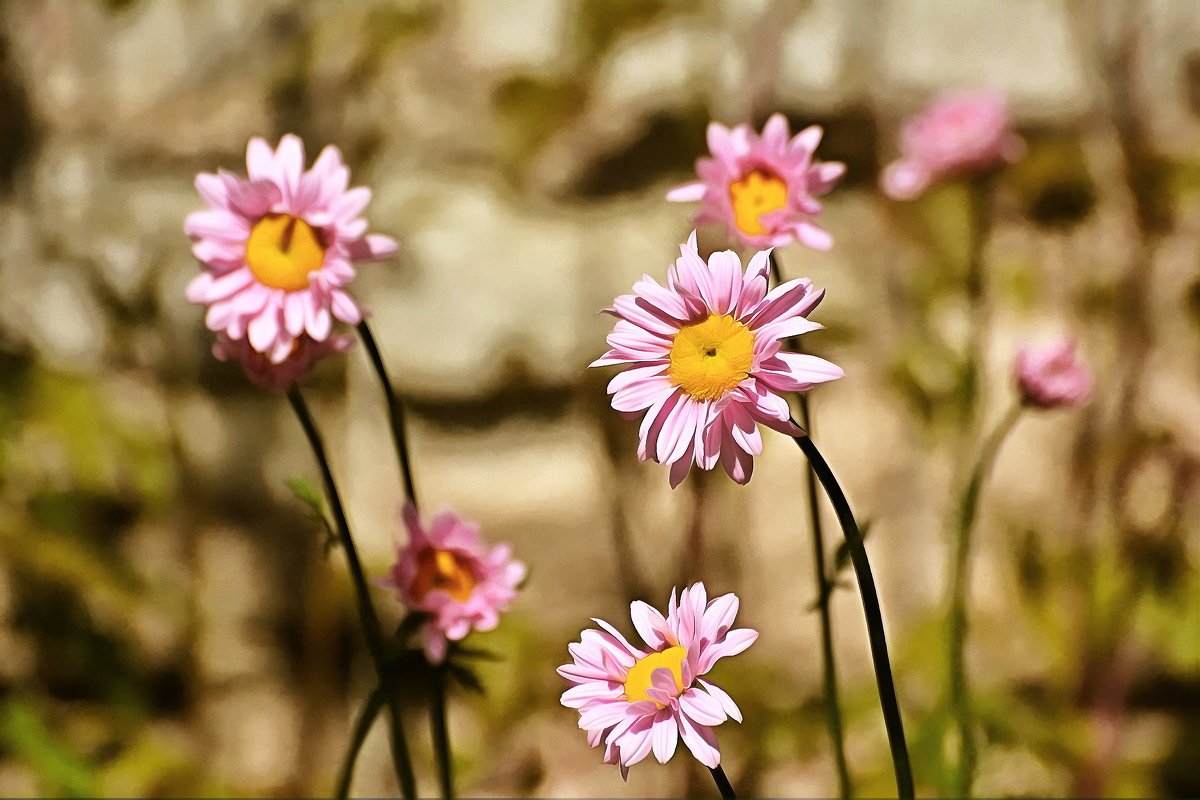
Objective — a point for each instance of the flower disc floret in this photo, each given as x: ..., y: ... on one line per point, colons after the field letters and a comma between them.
x: 447, y: 573
x: 703, y: 360
x: 278, y: 248
x: 635, y: 701
x: 763, y: 188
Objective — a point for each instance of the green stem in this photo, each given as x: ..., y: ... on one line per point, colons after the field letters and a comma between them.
x: 959, y: 581
x: 395, y: 410
x: 366, y: 611
x: 362, y: 726
x: 440, y: 733
x: 833, y: 712
x: 980, y: 191
x: 723, y: 784
x: 874, y: 616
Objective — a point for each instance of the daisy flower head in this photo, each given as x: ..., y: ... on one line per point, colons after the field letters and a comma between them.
x: 635, y: 701
x: 448, y: 573
x: 703, y: 360
x: 960, y: 134
x: 278, y: 249
x: 763, y: 187
x: 304, y: 353
x: 1052, y: 376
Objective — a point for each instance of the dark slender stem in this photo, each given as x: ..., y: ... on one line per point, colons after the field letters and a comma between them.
x: 395, y: 410
x: 366, y: 611
x: 362, y: 726
x: 965, y: 517
x: 723, y: 784
x: 833, y: 711
x: 870, y: 600
x: 440, y: 733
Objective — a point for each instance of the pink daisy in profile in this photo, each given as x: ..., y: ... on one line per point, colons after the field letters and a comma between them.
x: 278, y: 249
x: 1052, y: 376
x: 636, y: 701
x: 703, y: 360
x: 763, y: 188
x: 960, y: 134
x: 305, y: 352
x: 449, y: 574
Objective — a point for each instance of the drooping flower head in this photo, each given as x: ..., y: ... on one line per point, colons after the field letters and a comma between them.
x: 763, y: 188
x: 959, y: 134
x: 703, y: 360
x: 636, y: 701
x: 447, y: 572
x: 1052, y: 376
x: 278, y: 249
x: 305, y: 352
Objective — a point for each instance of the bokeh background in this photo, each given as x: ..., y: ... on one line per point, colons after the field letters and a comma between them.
x: 169, y: 622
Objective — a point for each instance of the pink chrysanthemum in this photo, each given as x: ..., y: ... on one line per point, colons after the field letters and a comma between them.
x: 704, y: 360
x: 304, y: 354
x: 1052, y: 376
x: 959, y: 134
x: 763, y: 188
x: 635, y: 701
x: 448, y: 573
x: 278, y: 249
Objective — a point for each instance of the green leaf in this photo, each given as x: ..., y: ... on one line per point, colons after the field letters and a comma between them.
x: 307, y: 494
x: 28, y: 736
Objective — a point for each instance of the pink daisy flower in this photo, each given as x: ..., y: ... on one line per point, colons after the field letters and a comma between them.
x: 449, y: 574
x: 305, y: 352
x: 636, y: 701
x: 1052, y: 376
x: 703, y: 360
x: 763, y: 187
x: 278, y: 249
x: 959, y: 134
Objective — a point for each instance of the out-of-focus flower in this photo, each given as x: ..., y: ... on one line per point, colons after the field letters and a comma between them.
x: 278, y: 249
x: 704, y: 361
x: 763, y: 188
x: 449, y: 574
x: 636, y: 701
x: 1052, y: 376
x: 959, y: 134
x: 305, y: 352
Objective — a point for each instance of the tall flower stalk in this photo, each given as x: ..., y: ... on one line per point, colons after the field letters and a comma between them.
x: 874, y: 616
x: 833, y: 711
x: 366, y: 611
x: 437, y: 702
x: 965, y: 517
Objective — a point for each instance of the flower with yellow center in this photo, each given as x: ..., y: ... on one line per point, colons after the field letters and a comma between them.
x: 752, y: 196
x: 282, y: 250
x: 711, y: 357
x: 641, y: 674
x: 444, y: 570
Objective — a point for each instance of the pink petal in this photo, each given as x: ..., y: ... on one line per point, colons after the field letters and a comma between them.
x: 812, y: 236
x: 651, y: 625
x: 687, y: 193
x: 700, y: 741
x: 289, y: 160
x: 260, y: 161
x: 722, y: 697
x: 701, y: 707
x: 664, y: 736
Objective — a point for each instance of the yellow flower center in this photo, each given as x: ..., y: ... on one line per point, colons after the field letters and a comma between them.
x: 637, y: 681
x: 756, y: 194
x: 445, y: 570
x: 711, y: 357
x: 282, y: 250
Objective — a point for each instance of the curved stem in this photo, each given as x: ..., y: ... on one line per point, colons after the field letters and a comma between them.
x: 362, y: 726
x: 959, y: 580
x: 723, y: 784
x: 870, y: 600
x: 833, y: 711
x: 366, y: 612
x: 440, y: 733
x: 395, y: 410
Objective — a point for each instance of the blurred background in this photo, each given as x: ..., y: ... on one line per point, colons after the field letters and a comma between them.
x: 169, y: 622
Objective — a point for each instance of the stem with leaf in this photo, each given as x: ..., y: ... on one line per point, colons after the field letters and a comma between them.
x: 965, y: 517
x: 366, y: 611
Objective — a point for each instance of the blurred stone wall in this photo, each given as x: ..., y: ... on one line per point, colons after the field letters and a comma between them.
x: 168, y: 622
